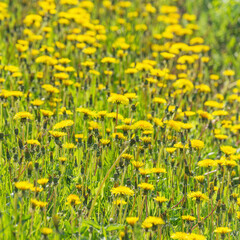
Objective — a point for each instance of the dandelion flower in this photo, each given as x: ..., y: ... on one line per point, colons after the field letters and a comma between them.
x: 23, y: 115
x: 179, y: 235
x: 23, y: 185
x: 63, y: 124
x: 69, y: 146
x: 154, y: 220
x: 37, y: 203
x: 122, y: 190
x: 73, y: 199
x: 132, y: 220
x: 57, y: 134
x: 222, y: 230
x: 228, y: 150
x: 160, y: 199
x: 137, y: 164
x: 118, y: 98
x: 42, y: 181
x: 33, y: 142
x: 197, y: 196
x: 46, y: 231
x: 143, y: 125
x: 146, y: 186
x: 197, y: 144
x: 119, y: 202
x: 188, y: 218
x: 207, y: 163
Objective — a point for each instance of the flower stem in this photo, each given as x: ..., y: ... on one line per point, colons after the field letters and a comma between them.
x: 104, y: 180
x: 115, y: 129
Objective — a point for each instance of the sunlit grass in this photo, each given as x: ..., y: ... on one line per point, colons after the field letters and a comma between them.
x: 117, y: 122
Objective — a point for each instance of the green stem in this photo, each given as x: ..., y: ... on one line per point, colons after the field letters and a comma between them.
x: 104, y: 180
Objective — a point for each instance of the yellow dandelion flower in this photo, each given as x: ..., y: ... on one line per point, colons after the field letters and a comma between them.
x: 145, y: 171
x: 207, y: 163
x: 33, y: 142
x: 146, y: 224
x: 122, y: 190
x: 221, y: 136
x: 180, y: 235
x: 46, y: 231
x: 37, y: 203
x: 137, y: 164
x: 159, y: 170
x: 63, y: 124
x: 228, y: 150
x: 132, y: 220
x: 154, y: 220
x: 222, y: 230
x: 143, y: 125
x: 199, y: 178
x: 57, y: 134
x: 197, y: 196
x: 171, y: 149
x: 23, y: 115
x: 46, y: 113
x: 197, y: 144
x: 188, y: 218
x: 105, y: 141
x: 160, y: 199
x: 119, y: 202
x: 23, y: 185
x: 146, y: 186
x: 73, y: 199
x: 118, y: 98
x: 69, y: 146
x: 42, y: 181
x: 37, y: 102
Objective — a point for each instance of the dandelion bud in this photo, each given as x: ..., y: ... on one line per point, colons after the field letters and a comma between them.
x: 210, y: 126
x: 187, y: 170
x: 90, y: 140
x: 36, y: 165
x: 230, y: 213
x: 128, y: 182
x: 56, y: 221
x: 30, y: 168
x: 8, y: 155
x: 115, y: 176
x: 45, y: 125
x: 132, y: 142
x: 201, y: 225
x: 223, y: 207
x: 1, y: 136
x: 55, y: 180
x: 111, y: 220
x: 20, y: 144
x: 133, y: 107
x: 218, y: 196
x: 233, y: 174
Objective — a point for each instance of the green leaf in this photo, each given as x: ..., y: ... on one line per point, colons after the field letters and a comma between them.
x: 104, y: 233
x: 68, y: 227
x: 92, y: 223
x: 114, y: 227
x: 231, y: 43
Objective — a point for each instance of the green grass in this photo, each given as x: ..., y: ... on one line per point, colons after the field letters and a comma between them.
x: 92, y: 170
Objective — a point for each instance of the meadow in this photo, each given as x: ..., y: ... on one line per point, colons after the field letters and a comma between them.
x: 119, y: 119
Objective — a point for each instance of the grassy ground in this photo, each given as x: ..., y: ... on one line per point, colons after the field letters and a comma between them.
x: 119, y: 120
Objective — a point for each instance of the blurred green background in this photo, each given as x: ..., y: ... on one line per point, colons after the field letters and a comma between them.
x: 219, y: 22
